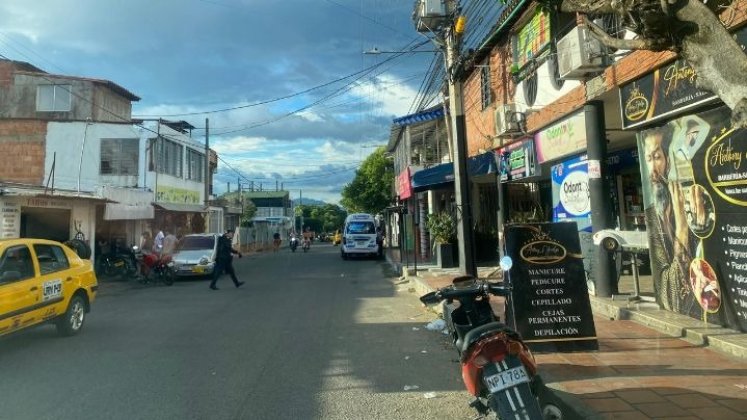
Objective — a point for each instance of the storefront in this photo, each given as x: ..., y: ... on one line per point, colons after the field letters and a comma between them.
x: 694, y: 184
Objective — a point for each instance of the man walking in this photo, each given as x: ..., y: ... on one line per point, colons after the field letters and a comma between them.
x: 224, y: 260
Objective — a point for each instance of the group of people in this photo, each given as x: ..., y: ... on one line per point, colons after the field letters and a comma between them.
x: 162, y: 243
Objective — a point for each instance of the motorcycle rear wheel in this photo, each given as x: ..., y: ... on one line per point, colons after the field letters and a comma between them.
x: 167, y: 277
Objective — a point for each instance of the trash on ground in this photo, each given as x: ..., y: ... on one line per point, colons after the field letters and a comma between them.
x: 415, y: 329
x: 429, y: 395
x: 436, y: 325
x: 411, y: 387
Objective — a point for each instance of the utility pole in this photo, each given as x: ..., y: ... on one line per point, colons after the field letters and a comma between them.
x: 207, y: 162
x: 459, y: 139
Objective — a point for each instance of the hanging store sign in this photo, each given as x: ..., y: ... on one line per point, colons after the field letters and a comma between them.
x: 561, y: 139
x: 165, y: 194
x: 404, y: 188
x: 516, y: 161
x: 668, y: 90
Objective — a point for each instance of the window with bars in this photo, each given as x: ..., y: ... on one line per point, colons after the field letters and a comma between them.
x: 485, y: 92
x: 195, y: 165
x: 51, y: 98
x: 119, y: 156
x: 169, y: 157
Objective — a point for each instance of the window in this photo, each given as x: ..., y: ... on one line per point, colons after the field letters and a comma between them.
x: 16, y: 264
x: 119, y: 156
x: 485, y: 92
x: 51, y: 258
x: 361, y: 228
x: 50, y: 98
x: 195, y: 165
x: 169, y: 157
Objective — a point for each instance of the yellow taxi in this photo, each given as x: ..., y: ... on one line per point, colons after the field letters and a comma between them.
x: 44, y: 281
x: 337, y: 238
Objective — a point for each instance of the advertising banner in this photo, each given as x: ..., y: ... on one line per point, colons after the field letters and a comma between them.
x: 516, y: 161
x: 550, y: 303
x: 561, y: 139
x: 11, y: 220
x: 404, y: 188
x: 694, y: 174
x: 667, y: 90
x: 532, y: 39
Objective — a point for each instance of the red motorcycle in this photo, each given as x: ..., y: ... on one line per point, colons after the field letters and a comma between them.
x: 497, y: 367
x: 154, y: 267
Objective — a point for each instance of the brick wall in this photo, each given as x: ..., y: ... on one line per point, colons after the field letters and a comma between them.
x: 22, y: 151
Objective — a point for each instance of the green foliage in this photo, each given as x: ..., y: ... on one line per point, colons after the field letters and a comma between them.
x: 324, y: 218
x: 442, y: 227
x: 249, y: 211
x: 371, y: 189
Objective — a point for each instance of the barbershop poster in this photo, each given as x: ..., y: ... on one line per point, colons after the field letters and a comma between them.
x: 694, y: 174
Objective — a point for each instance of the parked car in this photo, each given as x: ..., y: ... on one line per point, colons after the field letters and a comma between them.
x: 195, y: 255
x: 617, y: 240
x: 44, y: 281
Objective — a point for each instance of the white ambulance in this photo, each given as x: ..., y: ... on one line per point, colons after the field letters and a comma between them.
x: 359, y: 236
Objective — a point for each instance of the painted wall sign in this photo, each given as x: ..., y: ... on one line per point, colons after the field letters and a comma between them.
x: 694, y: 174
x: 10, y: 219
x: 532, y: 39
x: 667, y: 90
x: 551, y: 302
x: 175, y: 195
x: 561, y: 139
x: 516, y: 161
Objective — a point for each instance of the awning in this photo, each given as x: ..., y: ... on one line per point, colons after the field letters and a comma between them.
x: 441, y: 176
x: 116, y: 211
x: 423, y: 116
x: 187, y: 208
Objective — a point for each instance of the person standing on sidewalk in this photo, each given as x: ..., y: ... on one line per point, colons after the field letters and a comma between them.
x: 224, y: 260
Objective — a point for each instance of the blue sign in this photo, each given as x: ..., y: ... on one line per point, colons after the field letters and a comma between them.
x: 570, y: 192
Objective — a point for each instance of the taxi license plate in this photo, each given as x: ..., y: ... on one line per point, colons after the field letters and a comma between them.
x: 119, y: 263
x: 198, y: 269
x: 506, y: 379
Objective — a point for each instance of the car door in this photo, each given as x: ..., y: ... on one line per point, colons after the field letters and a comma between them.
x: 20, y: 292
x: 57, y: 280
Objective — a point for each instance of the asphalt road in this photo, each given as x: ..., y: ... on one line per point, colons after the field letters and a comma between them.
x: 309, y: 336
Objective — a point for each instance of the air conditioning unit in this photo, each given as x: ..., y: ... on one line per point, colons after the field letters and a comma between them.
x: 507, y: 120
x: 580, y: 54
x: 429, y: 15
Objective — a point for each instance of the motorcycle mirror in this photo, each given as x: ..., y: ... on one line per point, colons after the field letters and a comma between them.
x: 506, y: 263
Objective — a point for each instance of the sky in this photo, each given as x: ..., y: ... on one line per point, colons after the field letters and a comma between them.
x: 288, y: 92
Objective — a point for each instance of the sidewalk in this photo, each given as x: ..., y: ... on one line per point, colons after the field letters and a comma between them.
x: 650, y: 363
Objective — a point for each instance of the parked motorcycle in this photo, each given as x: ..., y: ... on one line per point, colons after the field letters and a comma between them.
x: 293, y: 244
x: 112, y: 265
x: 497, y: 367
x: 306, y: 244
x: 155, y: 266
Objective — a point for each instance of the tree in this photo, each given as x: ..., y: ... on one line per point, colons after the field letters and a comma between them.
x: 691, y: 28
x: 370, y: 190
x: 249, y: 211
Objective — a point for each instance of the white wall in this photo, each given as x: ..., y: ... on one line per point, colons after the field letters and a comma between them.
x: 546, y: 92
x: 75, y: 148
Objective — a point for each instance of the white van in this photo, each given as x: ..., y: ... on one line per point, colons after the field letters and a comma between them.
x: 359, y: 236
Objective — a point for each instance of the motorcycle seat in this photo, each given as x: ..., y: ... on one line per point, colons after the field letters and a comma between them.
x: 475, y: 334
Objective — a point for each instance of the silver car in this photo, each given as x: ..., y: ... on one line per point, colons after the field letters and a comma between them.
x: 195, y: 255
x: 615, y: 240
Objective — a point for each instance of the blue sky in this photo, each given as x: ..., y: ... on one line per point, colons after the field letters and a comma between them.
x: 191, y: 56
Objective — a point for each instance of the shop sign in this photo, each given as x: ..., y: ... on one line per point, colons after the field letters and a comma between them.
x: 165, y: 194
x: 622, y: 159
x: 669, y: 89
x: 48, y: 202
x: 570, y: 192
x: 11, y: 220
x: 532, y: 39
x: 404, y: 188
x: 561, y: 139
x: 516, y: 161
x: 551, y: 307
x: 694, y: 179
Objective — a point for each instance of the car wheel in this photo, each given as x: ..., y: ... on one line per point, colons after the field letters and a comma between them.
x: 610, y: 244
x: 71, y: 322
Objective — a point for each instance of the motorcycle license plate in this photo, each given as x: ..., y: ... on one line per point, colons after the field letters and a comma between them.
x: 506, y: 379
x: 119, y: 263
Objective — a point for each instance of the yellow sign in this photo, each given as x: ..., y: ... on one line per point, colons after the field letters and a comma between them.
x: 166, y: 194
